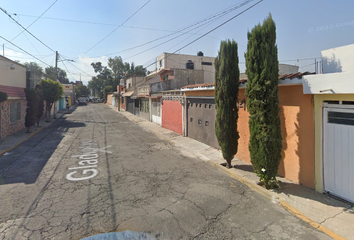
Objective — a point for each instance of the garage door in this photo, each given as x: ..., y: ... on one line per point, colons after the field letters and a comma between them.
x: 130, y: 105
x: 338, y: 152
x: 201, y: 115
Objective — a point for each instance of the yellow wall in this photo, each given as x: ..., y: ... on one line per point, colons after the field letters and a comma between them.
x: 318, y: 103
x: 13, y: 78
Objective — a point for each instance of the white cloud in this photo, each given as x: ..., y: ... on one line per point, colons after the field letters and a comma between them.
x: 84, y: 64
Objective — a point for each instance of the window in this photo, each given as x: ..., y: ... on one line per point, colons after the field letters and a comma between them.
x: 15, y: 111
x: 207, y: 63
x: 144, y: 107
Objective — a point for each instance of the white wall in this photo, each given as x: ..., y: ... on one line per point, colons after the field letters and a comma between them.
x: 13, y: 78
x: 179, y: 61
x: 339, y: 59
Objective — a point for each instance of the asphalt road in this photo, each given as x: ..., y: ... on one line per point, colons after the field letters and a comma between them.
x: 93, y: 171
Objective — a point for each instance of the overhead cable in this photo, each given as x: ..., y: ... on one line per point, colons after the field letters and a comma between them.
x: 117, y: 27
x: 34, y: 20
x: 25, y: 29
x: 211, y: 30
x: 24, y: 50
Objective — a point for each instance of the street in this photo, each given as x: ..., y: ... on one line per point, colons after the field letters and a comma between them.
x: 93, y: 171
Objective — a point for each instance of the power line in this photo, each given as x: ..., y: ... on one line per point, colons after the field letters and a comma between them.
x: 23, y: 50
x: 25, y: 29
x: 89, y: 75
x: 34, y: 20
x: 66, y: 68
x: 118, y: 27
x: 208, y: 19
x: 211, y: 30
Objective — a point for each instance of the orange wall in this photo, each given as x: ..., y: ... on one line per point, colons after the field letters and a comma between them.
x: 297, y: 124
x: 109, y: 99
x: 172, y: 115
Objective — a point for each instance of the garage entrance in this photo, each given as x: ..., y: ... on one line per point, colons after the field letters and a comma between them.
x: 338, y: 151
x: 201, y: 115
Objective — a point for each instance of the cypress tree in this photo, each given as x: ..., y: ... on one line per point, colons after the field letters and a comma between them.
x: 31, y: 110
x: 263, y: 101
x: 40, y: 102
x: 226, y: 94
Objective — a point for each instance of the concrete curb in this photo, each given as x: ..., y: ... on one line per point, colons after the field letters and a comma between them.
x: 23, y: 140
x: 274, y: 198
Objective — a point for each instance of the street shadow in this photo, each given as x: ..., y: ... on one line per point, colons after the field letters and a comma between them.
x: 25, y: 163
x: 296, y: 190
x: 244, y: 167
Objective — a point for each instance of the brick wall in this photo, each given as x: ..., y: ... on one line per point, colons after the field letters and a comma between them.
x: 8, y: 128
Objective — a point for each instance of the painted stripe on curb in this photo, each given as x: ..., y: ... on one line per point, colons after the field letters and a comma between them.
x: 268, y: 194
x: 19, y: 143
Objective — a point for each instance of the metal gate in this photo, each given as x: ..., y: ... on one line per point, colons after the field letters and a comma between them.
x: 201, y: 115
x: 130, y: 105
x: 137, y: 107
x: 156, y: 111
x: 338, y: 152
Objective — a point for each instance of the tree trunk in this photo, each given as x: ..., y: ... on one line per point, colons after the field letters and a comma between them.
x: 228, y: 164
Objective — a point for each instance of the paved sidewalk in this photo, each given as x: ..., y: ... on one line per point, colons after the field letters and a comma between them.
x: 335, y: 218
x: 13, y: 141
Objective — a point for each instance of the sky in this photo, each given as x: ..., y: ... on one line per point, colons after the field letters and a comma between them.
x: 86, y: 31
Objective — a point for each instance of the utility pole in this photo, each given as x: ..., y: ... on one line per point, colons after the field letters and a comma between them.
x: 3, y: 50
x: 56, y: 79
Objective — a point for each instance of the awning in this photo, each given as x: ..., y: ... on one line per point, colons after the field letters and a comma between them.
x: 128, y: 94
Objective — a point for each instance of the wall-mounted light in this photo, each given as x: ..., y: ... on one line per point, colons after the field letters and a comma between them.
x: 12, y: 67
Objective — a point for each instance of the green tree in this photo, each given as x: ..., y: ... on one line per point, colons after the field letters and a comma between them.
x: 96, y: 85
x: 3, y: 97
x: 32, y: 108
x: 34, y: 68
x: 82, y: 90
x: 40, y: 102
x: 106, y: 90
x: 52, y: 92
x: 263, y: 101
x: 226, y: 95
x: 50, y: 73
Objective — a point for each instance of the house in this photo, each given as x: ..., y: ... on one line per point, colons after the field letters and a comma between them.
x: 13, y: 83
x: 296, y: 111
x: 68, y: 96
x: 165, y: 96
x: 182, y: 61
x: 131, y: 84
x: 333, y: 93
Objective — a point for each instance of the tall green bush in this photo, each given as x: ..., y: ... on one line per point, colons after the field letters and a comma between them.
x: 31, y: 111
x: 39, y: 102
x: 3, y: 97
x: 265, y: 143
x: 226, y: 95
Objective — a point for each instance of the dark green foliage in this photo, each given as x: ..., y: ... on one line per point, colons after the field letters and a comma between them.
x: 31, y: 111
x: 82, y: 90
x: 226, y: 96
x: 263, y: 102
x: 52, y: 92
x: 3, y: 97
x: 40, y: 103
x: 106, y: 90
